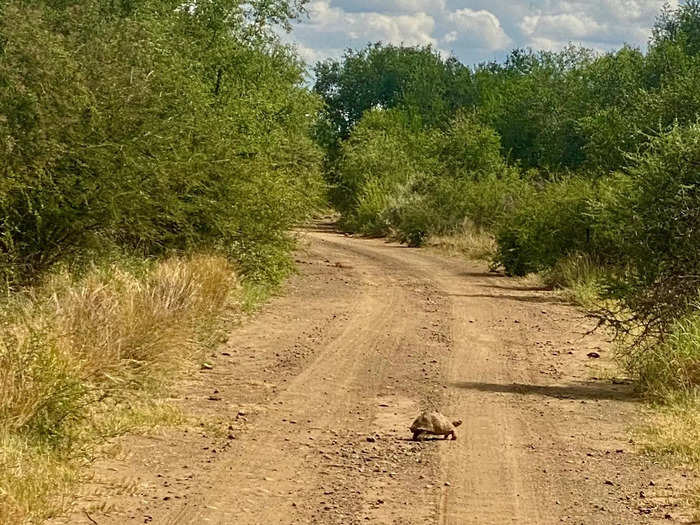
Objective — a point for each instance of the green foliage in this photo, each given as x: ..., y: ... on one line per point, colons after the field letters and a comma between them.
x: 155, y: 128
x: 442, y: 206
x: 680, y: 26
x: 673, y: 365
x: 415, y: 79
x: 551, y: 224
x: 468, y: 149
x: 484, y: 203
x: 376, y: 164
x: 652, y: 215
x: 520, y: 97
x: 413, y: 182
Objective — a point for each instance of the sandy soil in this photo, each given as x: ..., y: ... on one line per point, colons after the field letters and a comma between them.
x: 305, y: 413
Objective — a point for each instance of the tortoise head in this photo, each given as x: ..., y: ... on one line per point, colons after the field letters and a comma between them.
x: 457, y: 423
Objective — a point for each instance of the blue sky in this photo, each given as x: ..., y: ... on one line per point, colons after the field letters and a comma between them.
x: 473, y: 30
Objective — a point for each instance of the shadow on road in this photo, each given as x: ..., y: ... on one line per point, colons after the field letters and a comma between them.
x: 423, y: 439
x: 508, y: 297
x: 592, y: 391
x: 518, y: 288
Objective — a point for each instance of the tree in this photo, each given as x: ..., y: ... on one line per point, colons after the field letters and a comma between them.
x: 153, y: 128
x: 415, y: 79
x: 679, y: 26
x: 533, y: 100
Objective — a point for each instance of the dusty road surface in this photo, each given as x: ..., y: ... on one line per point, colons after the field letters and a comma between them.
x: 304, y: 417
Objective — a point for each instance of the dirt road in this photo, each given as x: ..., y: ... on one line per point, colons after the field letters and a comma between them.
x: 305, y: 415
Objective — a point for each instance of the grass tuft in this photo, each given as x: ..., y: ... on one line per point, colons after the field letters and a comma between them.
x: 34, y: 480
x: 670, y: 367
x: 579, y: 277
x: 672, y: 432
x: 77, y: 356
x: 470, y: 242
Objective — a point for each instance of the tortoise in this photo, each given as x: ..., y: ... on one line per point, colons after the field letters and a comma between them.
x: 434, y: 423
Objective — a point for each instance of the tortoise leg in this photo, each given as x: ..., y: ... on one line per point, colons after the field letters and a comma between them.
x: 417, y: 434
x: 454, y: 436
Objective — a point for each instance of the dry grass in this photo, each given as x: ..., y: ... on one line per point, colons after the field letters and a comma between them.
x: 671, y: 436
x: 672, y: 432
x: 470, y: 243
x: 579, y: 277
x: 669, y: 374
x: 33, y: 480
x: 70, y: 349
x: 135, y: 416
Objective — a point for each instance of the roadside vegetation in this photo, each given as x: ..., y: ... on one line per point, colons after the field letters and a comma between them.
x: 80, y: 358
x: 154, y: 157
x: 580, y: 166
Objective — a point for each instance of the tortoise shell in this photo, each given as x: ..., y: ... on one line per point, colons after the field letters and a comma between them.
x: 434, y: 423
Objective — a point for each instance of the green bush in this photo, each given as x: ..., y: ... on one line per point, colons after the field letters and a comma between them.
x: 673, y: 365
x: 411, y: 182
x: 548, y: 225
x: 469, y: 149
x: 652, y: 215
x: 153, y: 128
x: 374, y: 204
x: 376, y: 164
x: 442, y: 206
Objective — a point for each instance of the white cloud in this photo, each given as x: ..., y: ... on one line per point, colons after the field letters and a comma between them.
x: 475, y: 30
x: 601, y: 24
x: 332, y: 25
x: 480, y: 29
x: 407, y: 29
x: 562, y: 26
x: 391, y: 6
x: 450, y: 37
x: 311, y: 55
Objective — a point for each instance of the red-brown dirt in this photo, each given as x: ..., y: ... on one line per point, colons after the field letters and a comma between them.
x: 306, y: 410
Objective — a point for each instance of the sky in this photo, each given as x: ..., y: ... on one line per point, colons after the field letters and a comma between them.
x: 473, y: 30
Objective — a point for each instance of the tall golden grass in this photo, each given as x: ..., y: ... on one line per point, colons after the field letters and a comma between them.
x: 470, y: 242
x: 69, y: 344
x: 579, y: 277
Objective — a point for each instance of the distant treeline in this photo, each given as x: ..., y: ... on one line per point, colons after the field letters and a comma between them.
x: 153, y: 127
x: 563, y: 156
